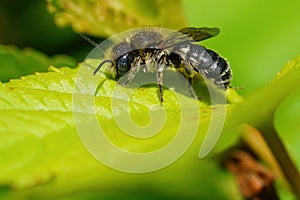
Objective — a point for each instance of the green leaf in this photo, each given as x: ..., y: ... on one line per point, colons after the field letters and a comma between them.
x: 44, y: 152
x: 16, y: 63
x: 41, y: 152
x: 104, y: 18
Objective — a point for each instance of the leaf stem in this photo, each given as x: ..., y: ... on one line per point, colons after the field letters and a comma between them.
x: 281, y: 155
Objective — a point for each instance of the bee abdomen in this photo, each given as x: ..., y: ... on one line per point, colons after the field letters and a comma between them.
x: 222, y: 69
x: 206, y: 62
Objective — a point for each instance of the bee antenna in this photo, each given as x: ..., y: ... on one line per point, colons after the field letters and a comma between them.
x: 101, y: 64
x: 89, y: 40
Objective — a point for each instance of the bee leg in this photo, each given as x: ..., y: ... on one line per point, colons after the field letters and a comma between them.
x: 190, y: 87
x: 159, y: 82
x: 189, y: 77
x: 132, y: 71
x: 160, y: 79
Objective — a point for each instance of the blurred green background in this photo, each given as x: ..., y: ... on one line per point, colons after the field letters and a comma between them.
x: 257, y: 38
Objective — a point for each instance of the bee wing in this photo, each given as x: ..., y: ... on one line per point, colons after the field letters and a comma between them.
x: 199, y: 34
x: 189, y: 34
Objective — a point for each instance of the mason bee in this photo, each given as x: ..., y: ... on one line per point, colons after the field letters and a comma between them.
x: 150, y: 50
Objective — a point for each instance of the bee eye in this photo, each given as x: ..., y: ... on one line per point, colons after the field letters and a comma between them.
x: 123, y: 65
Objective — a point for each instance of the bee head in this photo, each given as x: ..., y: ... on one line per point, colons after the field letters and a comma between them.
x: 123, y: 64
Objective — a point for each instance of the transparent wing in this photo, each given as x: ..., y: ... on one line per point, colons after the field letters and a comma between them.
x: 199, y: 34
x: 189, y: 34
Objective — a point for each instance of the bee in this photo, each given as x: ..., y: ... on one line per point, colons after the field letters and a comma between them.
x: 150, y: 50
